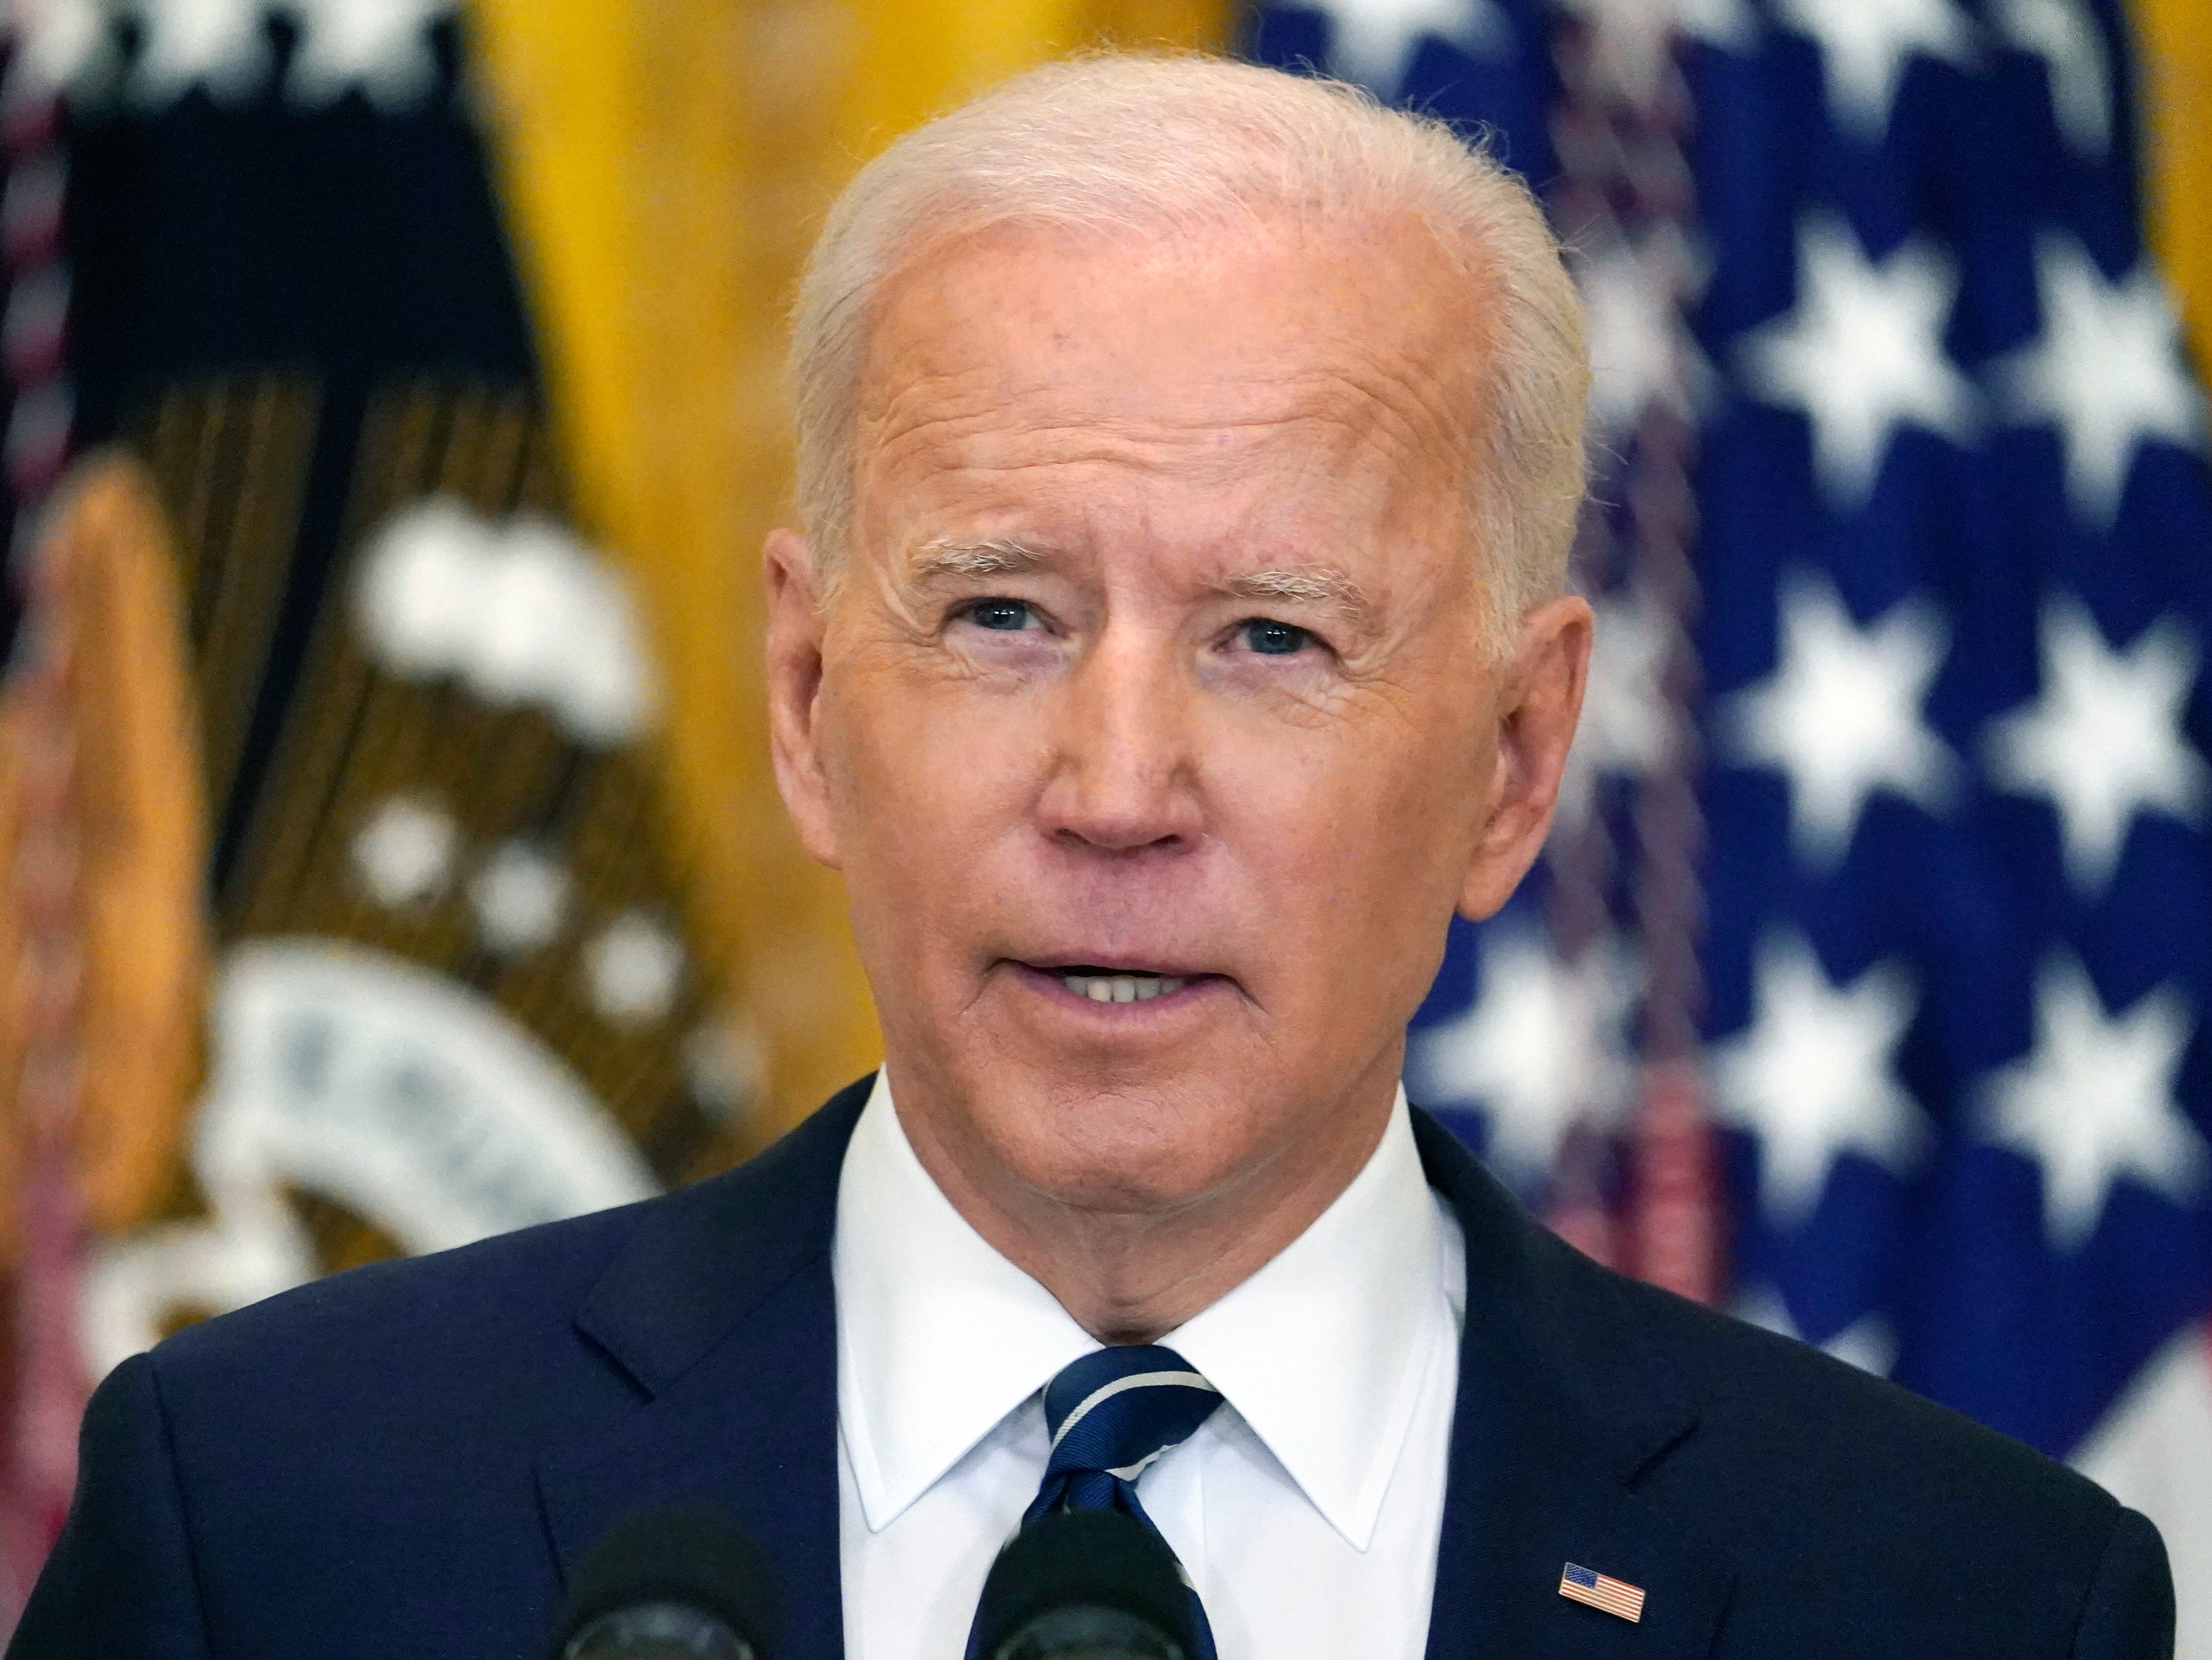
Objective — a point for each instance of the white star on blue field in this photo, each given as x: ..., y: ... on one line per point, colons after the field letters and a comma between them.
x: 1939, y: 688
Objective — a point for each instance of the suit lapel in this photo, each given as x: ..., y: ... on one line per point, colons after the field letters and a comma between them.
x: 722, y: 1310
x: 1565, y: 1406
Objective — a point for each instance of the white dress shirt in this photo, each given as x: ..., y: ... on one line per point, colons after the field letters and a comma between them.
x: 1306, y: 1510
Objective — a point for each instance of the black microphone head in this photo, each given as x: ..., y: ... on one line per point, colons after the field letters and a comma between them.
x: 1085, y: 1585
x: 679, y: 1583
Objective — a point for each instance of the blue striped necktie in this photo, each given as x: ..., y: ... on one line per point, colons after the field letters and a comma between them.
x: 1111, y: 1413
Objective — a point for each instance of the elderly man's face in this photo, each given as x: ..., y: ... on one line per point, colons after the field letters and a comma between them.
x: 1150, y: 725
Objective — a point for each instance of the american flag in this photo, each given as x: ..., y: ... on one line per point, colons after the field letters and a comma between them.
x: 1601, y: 1590
x: 1862, y: 986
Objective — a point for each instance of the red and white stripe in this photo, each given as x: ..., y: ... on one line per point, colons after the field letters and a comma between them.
x: 1615, y: 1596
x: 1625, y: 196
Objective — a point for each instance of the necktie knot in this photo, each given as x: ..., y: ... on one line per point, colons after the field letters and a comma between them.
x: 1111, y: 1413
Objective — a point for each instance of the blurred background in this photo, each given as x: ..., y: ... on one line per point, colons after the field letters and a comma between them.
x: 388, y: 856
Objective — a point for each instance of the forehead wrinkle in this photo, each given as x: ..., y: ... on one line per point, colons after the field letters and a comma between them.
x: 1394, y: 379
x: 1375, y: 393
x: 1223, y: 451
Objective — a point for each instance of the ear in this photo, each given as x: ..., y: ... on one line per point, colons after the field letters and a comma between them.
x: 795, y: 631
x: 1540, y: 699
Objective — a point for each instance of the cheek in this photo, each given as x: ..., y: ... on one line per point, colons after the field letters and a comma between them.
x: 1354, y: 827
x: 919, y: 767
x: 1367, y: 764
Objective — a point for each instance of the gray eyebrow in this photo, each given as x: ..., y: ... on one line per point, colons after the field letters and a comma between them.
x: 1314, y: 585
x: 992, y: 558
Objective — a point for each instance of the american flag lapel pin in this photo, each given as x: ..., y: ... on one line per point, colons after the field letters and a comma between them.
x: 1602, y: 1590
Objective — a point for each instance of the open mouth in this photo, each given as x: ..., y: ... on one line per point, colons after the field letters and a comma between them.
x: 1103, y: 985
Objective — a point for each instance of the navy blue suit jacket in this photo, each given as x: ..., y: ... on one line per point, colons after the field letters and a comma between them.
x: 407, y: 1459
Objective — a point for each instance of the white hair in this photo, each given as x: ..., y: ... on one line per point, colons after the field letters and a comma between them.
x: 1186, y: 145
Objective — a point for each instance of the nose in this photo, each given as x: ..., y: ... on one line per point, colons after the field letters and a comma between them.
x: 1123, y: 778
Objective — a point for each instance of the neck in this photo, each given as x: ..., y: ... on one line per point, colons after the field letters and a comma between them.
x: 1130, y: 1272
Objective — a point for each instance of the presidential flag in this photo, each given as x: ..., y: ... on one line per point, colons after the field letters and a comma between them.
x: 342, y: 919
x: 1862, y: 987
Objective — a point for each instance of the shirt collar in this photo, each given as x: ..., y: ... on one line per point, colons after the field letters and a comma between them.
x: 1322, y: 1352
x: 938, y: 1336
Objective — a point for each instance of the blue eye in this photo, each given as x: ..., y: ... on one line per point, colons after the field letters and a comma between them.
x: 1005, y: 616
x: 1273, y: 639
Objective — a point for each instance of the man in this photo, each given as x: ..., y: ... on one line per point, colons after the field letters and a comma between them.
x: 1177, y: 637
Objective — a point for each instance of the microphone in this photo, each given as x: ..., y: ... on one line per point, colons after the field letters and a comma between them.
x: 1091, y: 1584
x: 679, y: 1583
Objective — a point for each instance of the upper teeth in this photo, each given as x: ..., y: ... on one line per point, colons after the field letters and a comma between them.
x: 1120, y: 988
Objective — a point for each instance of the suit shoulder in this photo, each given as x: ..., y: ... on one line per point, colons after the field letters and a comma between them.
x: 1781, y: 1405
x: 1826, y: 1489
x: 506, y: 1320
x: 513, y: 1292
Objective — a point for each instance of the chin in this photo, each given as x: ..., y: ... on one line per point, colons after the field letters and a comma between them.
x: 1117, y: 1148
